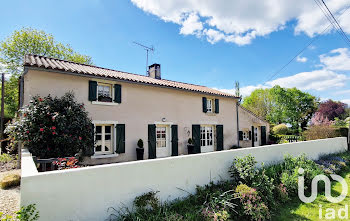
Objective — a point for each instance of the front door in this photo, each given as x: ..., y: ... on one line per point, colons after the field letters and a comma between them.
x: 256, y: 137
x: 207, y: 138
x: 163, y: 141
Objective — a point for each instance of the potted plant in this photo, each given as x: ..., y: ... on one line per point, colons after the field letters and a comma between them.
x: 140, y: 150
x: 104, y: 98
x: 190, y: 146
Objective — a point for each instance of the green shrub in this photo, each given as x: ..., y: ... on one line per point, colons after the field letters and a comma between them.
x: 281, y: 193
x: 10, y: 180
x: 281, y: 129
x: 26, y: 213
x: 5, y: 158
x: 290, y: 173
x: 243, y: 170
x: 53, y: 127
x: 265, y: 187
x: 320, y: 132
x: 147, y: 201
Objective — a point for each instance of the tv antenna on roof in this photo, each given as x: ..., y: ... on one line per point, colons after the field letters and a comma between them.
x: 147, y: 50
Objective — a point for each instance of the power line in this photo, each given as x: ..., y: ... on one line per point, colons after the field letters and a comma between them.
x: 302, y: 50
x: 346, y: 37
x: 330, y: 19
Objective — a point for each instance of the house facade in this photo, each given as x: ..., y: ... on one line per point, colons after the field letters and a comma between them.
x: 253, y: 131
x: 127, y: 107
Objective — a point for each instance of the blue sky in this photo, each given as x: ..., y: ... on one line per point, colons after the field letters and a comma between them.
x: 212, y: 43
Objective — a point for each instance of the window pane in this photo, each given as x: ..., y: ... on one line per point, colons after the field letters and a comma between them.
x: 106, y: 148
x: 98, y: 129
x: 98, y: 148
x: 107, y: 129
x: 107, y: 137
x: 98, y: 137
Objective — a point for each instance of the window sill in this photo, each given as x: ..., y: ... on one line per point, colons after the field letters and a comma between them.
x: 101, y: 156
x: 210, y: 114
x: 105, y: 103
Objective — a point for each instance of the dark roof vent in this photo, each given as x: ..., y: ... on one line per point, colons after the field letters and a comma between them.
x: 154, y: 71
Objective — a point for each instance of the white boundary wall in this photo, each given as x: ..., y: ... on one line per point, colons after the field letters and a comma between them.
x: 87, y: 193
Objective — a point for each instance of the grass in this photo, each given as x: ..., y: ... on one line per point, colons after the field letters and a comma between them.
x: 10, y: 180
x: 296, y: 210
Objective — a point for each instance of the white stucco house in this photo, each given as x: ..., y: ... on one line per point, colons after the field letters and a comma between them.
x: 126, y: 107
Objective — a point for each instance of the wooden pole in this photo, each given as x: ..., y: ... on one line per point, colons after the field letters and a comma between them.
x: 2, y: 109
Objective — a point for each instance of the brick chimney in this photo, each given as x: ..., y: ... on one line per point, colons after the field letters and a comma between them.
x: 154, y: 71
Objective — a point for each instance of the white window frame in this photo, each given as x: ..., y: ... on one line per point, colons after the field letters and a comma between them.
x: 162, y: 130
x: 245, y: 135
x: 210, y: 105
x: 255, y: 134
x: 112, y: 153
x: 112, y: 103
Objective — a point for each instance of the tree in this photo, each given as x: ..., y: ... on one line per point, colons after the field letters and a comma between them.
x: 331, y: 109
x: 282, y: 105
x: 30, y: 41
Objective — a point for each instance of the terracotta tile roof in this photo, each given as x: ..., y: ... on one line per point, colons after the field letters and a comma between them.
x: 67, y: 66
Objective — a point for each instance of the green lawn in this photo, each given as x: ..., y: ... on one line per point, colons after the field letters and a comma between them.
x: 296, y: 210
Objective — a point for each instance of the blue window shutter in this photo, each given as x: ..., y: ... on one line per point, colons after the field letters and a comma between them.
x: 217, y: 106
x: 92, y: 90
x: 204, y: 104
x: 152, y: 141
x: 117, y: 93
x: 174, y: 141
x: 120, y: 138
x: 196, y: 137
x: 219, y: 137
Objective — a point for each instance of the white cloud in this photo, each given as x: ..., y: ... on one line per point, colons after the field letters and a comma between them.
x: 245, y: 91
x: 337, y: 59
x: 240, y: 22
x: 301, y: 59
x: 346, y: 101
x: 318, y: 80
x: 322, y: 79
x: 191, y: 25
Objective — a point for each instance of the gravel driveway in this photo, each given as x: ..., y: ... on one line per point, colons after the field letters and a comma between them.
x: 9, y: 199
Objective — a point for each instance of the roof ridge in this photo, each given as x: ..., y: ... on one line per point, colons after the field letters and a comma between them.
x: 30, y: 63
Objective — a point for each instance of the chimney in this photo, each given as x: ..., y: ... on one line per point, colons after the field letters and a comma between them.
x: 154, y: 71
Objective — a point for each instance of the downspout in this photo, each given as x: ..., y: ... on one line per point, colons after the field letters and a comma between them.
x: 237, y: 104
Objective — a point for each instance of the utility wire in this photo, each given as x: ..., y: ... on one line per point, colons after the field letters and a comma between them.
x: 342, y: 31
x: 330, y: 19
x: 302, y: 50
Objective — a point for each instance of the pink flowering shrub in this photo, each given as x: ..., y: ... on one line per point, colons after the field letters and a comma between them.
x: 282, y: 193
x: 252, y: 204
x: 54, y: 127
x: 221, y: 215
x: 66, y: 163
